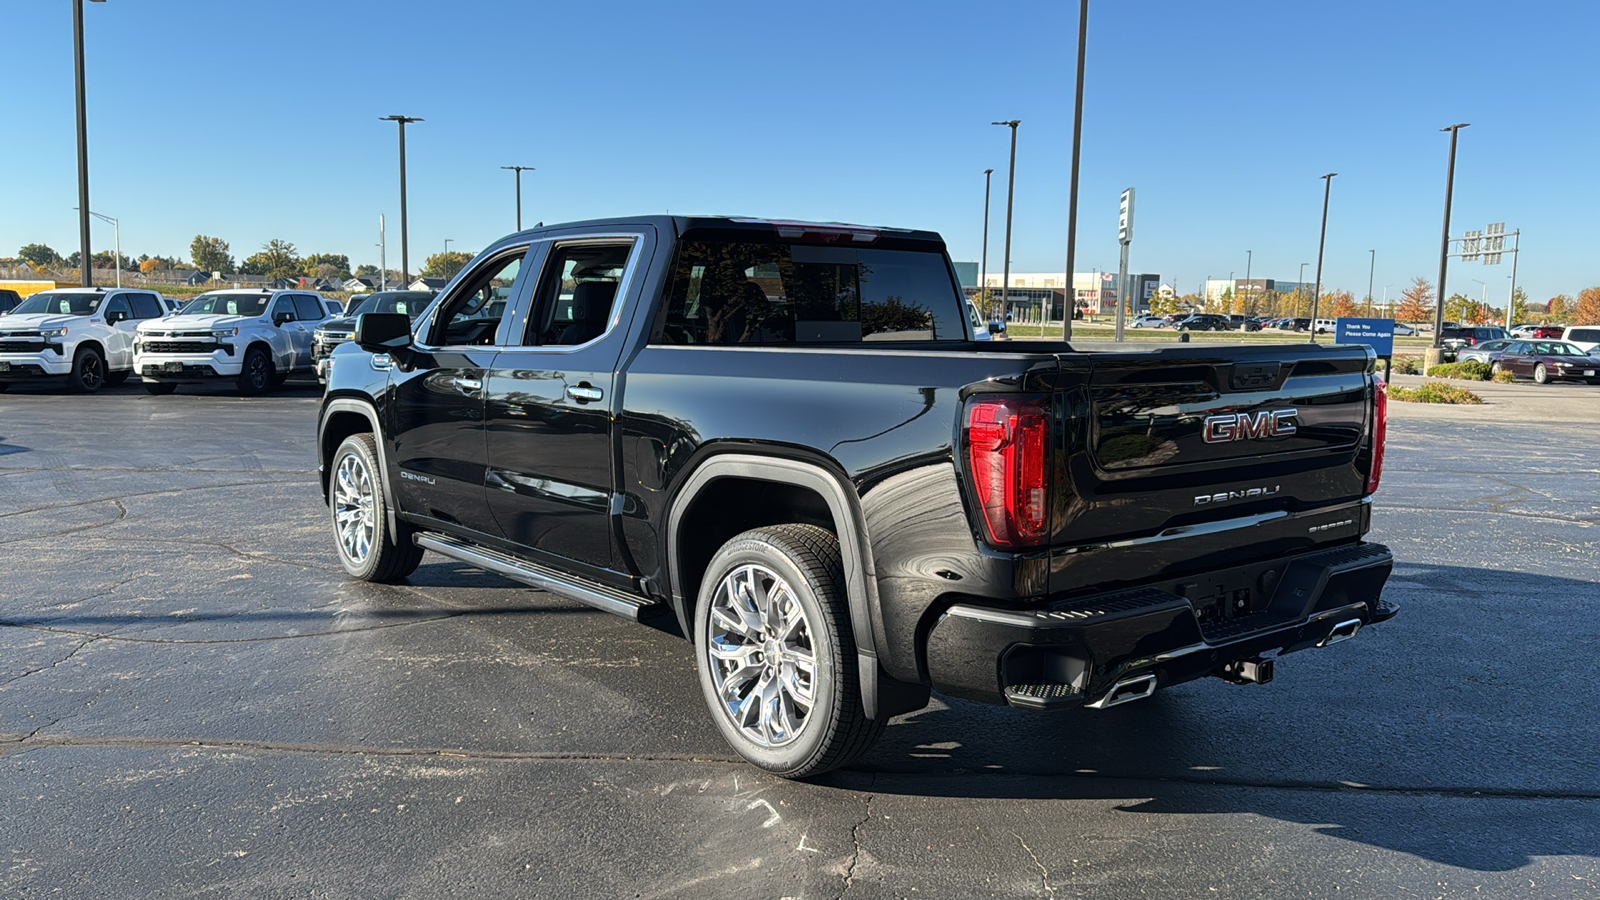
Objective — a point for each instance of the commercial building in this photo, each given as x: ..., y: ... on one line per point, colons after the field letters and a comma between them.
x: 1095, y: 293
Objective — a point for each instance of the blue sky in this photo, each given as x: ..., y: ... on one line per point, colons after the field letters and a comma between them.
x: 253, y: 121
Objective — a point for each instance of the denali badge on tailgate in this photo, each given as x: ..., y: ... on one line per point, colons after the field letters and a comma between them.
x: 1275, y: 423
x: 1240, y: 494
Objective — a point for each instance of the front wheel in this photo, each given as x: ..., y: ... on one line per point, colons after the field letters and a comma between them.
x: 367, y: 548
x: 256, y: 374
x: 1541, y: 375
x: 776, y: 655
x: 1495, y: 369
x: 88, y: 372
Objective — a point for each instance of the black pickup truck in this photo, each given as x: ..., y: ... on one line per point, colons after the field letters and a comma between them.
x: 780, y: 440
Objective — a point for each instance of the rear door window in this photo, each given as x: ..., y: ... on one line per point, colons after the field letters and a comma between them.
x: 308, y: 308
x: 777, y: 293
x: 146, y: 306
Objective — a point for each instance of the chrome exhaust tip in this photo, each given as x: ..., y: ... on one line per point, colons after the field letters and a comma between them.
x: 1343, y: 631
x: 1127, y: 691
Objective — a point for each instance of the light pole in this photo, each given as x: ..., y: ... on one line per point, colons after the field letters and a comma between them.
x: 1072, y: 190
x: 85, y: 258
x: 1011, y: 184
x: 1386, y: 299
x: 519, y: 170
x: 1444, y: 238
x: 1371, y: 271
x: 445, y: 260
x: 1316, y: 289
x: 383, y: 252
x: 405, y: 256
x: 983, y: 274
x: 1249, y: 258
x: 116, y: 230
x: 1298, y: 287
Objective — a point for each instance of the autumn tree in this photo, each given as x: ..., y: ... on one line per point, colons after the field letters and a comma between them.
x: 446, y: 265
x: 1587, y: 312
x: 1556, y: 309
x: 1338, y: 304
x: 149, y: 265
x: 40, y: 256
x: 277, y: 259
x: 1416, y: 302
x: 210, y: 254
x: 1519, y: 307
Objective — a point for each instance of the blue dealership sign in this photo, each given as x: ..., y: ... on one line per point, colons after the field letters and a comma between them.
x: 1375, y: 333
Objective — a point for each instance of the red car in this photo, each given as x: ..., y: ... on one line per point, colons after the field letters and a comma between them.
x: 1547, y: 361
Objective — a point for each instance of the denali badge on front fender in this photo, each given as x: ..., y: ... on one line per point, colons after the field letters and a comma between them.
x: 1274, y: 423
x: 1242, y: 494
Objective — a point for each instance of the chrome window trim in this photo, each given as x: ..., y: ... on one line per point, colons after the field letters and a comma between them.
x: 624, y: 284
x: 425, y: 322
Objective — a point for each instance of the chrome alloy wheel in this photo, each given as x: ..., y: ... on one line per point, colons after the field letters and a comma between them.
x: 354, y: 508
x: 761, y: 656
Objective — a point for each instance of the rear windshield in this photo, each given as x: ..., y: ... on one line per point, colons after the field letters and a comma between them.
x: 1584, y: 334
x: 226, y: 305
x: 727, y: 292
x: 60, y: 304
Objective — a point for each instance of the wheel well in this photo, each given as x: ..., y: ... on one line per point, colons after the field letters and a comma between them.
x: 267, y: 349
x: 89, y: 345
x: 339, y: 426
x: 730, y: 506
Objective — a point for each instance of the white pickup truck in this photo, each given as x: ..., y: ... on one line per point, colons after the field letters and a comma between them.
x: 84, y: 335
x: 258, y: 338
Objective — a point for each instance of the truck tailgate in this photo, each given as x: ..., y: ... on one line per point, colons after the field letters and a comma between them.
x: 1158, y: 445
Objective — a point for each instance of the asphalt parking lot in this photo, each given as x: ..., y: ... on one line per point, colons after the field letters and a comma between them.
x: 194, y: 701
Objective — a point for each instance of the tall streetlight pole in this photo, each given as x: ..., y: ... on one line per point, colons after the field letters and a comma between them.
x: 1316, y: 289
x: 983, y: 273
x: 1483, y: 296
x: 116, y: 231
x: 405, y: 255
x: 1444, y: 238
x: 1249, y: 258
x: 519, y: 170
x: 1011, y: 184
x: 445, y: 260
x: 1371, y: 271
x: 1072, y: 191
x: 85, y: 257
x: 383, y: 252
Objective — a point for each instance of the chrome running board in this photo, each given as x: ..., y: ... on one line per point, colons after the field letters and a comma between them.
x: 561, y: 584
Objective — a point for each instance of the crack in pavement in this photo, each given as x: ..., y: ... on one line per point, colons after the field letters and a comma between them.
x: 99, y: 636
x: 48, y: 507
x: 34, y: 741
x: 1465, y: 511
x: 855, y: 839
x: 18, y: 470
x: 10, y: 681
x: 1044, y: 874
x: 190, y: 542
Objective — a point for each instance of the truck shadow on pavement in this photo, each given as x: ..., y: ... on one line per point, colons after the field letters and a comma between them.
x: 1423, y: 735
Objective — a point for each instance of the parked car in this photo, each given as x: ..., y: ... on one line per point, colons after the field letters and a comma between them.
x: 1241, y: 322
x: 336, y: 331
x: 171, y: 304
x: 333, y: 305
x: 257, y: 337
x: 1326, y: 326
x: 8, y: 300
x: 980, y: 331
x: 1402, y: 329
x: 1293, y: 324
x: 1585, y: 336
x: 1149, y: 321
x: 1547, y: 361
x: 847, y: 503
x: 353, y: 302
x: 83, y: 335
x: 1455, y: 337
x: 1486, y: 352
x: 1203, y: 322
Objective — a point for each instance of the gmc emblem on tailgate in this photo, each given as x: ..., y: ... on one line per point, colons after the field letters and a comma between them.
x: 1274, y: 423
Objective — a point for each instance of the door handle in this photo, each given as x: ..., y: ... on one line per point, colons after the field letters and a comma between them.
x: 468, y: 385
x: 584, y: 392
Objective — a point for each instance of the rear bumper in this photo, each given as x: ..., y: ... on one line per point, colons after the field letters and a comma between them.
x: 1074, y: 652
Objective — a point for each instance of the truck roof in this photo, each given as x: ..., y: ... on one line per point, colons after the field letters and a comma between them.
x: 682, y: 224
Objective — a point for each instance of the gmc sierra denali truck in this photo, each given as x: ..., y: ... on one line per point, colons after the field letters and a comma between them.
x: 781, y: 441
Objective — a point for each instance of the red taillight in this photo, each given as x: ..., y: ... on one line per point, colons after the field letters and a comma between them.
x: 1380, y: 433
x: 1008, y: 445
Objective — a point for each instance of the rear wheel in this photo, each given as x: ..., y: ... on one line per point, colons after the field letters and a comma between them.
x: 775, y: 652
x: 1541, y: 375
x: 256, y: 374
x: 88, y: 371
x: 367, y: 548
x: 1494, y: 369
x: 159, y: 388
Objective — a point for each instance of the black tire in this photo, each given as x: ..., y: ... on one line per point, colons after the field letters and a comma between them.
x: 255, y: 376
x: 1495, y: 369
x: 160, y: 388
x: 115, y: 378
x: 389, y: 556
x: 836, y: 730
x: 1541, y: 375
x: 88, y: 372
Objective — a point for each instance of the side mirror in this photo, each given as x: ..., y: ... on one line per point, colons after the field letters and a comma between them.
x: 283, y: 318
x: 116, y: 315
x: 382, y: 332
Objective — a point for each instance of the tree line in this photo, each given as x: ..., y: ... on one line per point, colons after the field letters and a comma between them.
x: 276, y: 259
